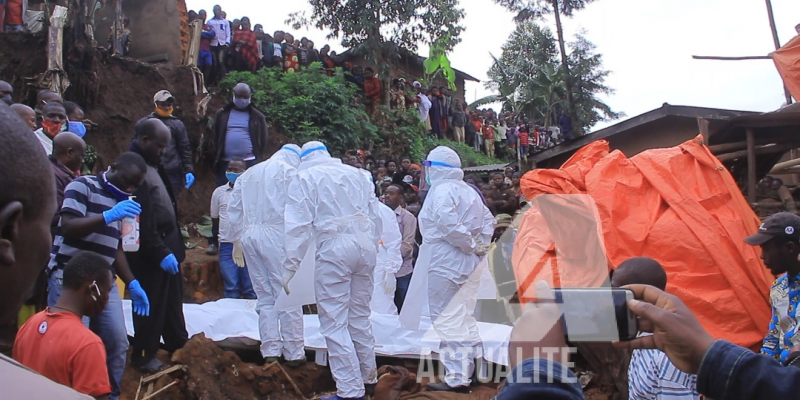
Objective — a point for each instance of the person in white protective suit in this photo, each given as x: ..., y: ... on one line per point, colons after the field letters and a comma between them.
x: 389, y: 260
x: 456, y: 230
x: 256, y: 219
x: 332, y: 205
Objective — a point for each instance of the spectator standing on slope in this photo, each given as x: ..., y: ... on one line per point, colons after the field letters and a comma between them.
x: 177, y: 160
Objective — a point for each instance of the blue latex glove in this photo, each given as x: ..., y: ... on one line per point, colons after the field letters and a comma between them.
x: 170, y: 264
x: 123, y: 209
x: 189, y: 179
x: 141, y: 305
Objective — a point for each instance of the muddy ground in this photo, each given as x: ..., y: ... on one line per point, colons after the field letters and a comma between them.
x: 215, y: 373
x: 115, y: 93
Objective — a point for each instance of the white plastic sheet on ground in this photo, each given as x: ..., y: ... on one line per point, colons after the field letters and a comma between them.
x: 231, y: 318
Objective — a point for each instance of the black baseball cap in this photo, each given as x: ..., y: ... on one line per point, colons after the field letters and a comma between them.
x: 783, y: 224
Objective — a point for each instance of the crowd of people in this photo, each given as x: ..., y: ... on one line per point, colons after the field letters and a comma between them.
x: 240, y: 46
x: 364, y: 223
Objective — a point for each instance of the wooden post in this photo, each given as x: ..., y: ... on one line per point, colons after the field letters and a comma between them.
x: 55, y: 49
x: 751, y: 166
x: 118, y: 27
x: 702, y: 125
x: 777, y: 44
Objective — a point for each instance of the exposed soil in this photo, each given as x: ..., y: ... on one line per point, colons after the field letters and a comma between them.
x: 115, y: 92
x: 202, y: 280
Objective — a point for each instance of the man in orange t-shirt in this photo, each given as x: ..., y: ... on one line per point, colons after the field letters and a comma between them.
x: 56, y: 344
x: 372, y: 90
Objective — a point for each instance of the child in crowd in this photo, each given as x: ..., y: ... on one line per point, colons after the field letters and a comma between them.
x: 236, y: 280
x: 478, y: 125
x: 523, y: 141
x: 488, y: 138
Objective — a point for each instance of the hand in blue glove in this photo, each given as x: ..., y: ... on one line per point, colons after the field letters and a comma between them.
x: 123, y: 209
x: 189, y: 179
x: 141, y: 305
x: 170, y: 264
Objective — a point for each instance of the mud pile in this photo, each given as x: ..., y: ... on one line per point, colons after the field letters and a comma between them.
x: 211, y: 373
x: 115, y: 92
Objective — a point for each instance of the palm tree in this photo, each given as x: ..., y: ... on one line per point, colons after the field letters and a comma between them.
x: 533, y: 9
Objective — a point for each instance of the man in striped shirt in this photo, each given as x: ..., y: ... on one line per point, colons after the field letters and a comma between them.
x: 91, y: 216
x: 651, y: 375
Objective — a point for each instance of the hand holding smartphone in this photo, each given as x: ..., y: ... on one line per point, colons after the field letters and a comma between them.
x: 596, y: 314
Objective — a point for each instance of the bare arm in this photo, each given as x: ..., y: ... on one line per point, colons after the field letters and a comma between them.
x: 73, y: 226
x: 121, y: 266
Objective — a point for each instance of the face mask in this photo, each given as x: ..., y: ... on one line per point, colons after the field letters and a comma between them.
x: 118, y: 193
x: 232, y: 176
x: 77, y: 128
x: 241, y: 103
x: 8, y: 100
x: 52, y: 128
x: 163, y: 113
x: 428, y: 180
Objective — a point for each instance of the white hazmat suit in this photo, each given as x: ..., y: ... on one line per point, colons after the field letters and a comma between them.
x: 389, y: 260
x: 332, y: 205
x: 456, y: 229
x: 256, y: 211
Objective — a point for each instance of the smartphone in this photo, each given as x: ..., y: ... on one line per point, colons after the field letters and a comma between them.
x: 596, y: 314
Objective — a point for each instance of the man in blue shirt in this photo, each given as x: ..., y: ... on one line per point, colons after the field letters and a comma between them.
x: 779, y: 238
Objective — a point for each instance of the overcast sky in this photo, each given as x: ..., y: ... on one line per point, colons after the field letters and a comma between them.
x: 647, y: 46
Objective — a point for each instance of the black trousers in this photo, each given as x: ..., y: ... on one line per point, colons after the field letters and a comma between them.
x: 165, y: 293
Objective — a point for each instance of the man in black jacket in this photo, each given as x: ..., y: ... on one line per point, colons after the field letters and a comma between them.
x: 240, y: 131
x: 157, y: 263
x: 177, y: 160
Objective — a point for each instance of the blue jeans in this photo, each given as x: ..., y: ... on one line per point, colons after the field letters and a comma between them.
x: 109, y: 325
x: 401, y: 291
x: 539, y: 378
x: 236, y: 280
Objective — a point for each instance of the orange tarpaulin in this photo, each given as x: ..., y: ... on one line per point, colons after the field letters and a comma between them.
x: 679, y: 206
x: 787, y: 60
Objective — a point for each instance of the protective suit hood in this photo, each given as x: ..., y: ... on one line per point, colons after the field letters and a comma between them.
x: 314, y: 150
x: 315, y: 153
x: 290, y: 154
x: 447, y: 156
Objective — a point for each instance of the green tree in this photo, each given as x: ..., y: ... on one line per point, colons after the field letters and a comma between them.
x: 527, y: 73
x: 530, y: 81
x: 309, y: 105
x: 588, y: 81
x: 535, y: 9
x: 378, y: 29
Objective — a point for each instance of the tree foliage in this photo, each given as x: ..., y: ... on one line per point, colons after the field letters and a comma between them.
x: 529, y: 80
x: 378, y: 28
x: 531, y: 9
x: 309, y: 105
x: 588, y: 80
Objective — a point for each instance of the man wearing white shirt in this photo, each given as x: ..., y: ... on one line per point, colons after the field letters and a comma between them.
x: 424, y: 103
x: 221, y: 40
x: 54, y: 119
